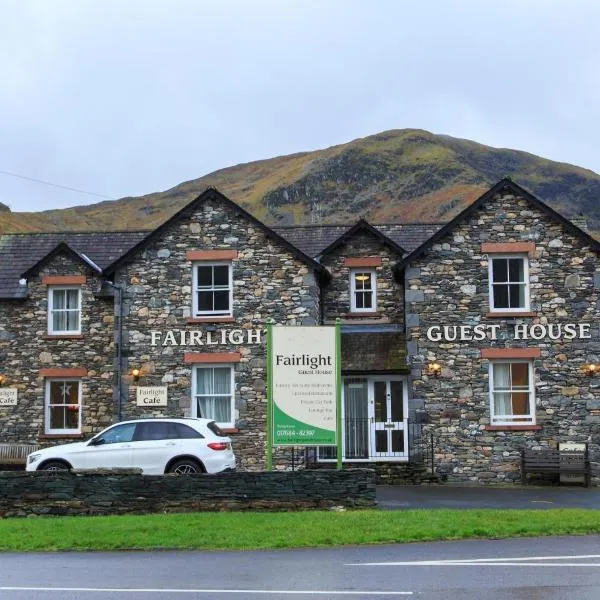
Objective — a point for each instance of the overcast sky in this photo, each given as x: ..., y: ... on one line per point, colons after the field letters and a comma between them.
x: 124, y: 98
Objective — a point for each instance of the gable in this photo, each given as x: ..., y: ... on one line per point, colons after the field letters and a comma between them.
x: 214, y: 196
x: 503, y: 187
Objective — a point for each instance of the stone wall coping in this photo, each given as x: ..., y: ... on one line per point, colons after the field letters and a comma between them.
x: 511, y: 352
x: 63, y: 279
x: 211, y: 254
x: 211, y: 357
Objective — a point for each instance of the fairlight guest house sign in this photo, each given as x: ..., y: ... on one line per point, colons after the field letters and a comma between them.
x: 303, y: 376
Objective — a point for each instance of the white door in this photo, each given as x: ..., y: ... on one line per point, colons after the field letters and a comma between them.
x: 388, y: 408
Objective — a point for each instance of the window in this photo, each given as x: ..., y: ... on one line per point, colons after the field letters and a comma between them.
x: 213, y: 394
x: 212, y: 289
x: 511, y: 391
x: 164, y: 430
x: 63, y: 406
x: 118, y: 434
x: 64, y: 310
x: 362, y: 291
x: 509, y: 283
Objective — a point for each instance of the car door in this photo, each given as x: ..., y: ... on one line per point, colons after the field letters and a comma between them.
x: 154, y: 444
x: 108, y: 450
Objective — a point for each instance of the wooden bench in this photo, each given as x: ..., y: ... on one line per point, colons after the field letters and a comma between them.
x: 556, y: 461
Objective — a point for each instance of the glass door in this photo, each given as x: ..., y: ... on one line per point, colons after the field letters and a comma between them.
x: 388, y: 413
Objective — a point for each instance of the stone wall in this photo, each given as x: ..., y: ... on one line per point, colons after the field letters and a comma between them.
x: 26, y: 347
x: 336, y: 295
x: 448, y: 285
x: 87, y: 493
x: 269, y: 282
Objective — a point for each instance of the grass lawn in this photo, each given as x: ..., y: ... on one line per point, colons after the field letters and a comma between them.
x: 242, y: 531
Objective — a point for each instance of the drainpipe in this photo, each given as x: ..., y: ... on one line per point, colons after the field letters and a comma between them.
x: 119, y: 290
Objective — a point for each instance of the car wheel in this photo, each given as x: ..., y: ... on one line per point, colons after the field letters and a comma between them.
x: 55, y: 465
x: 185, y: 466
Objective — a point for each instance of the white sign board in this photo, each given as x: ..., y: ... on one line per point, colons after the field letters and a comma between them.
x: 304, y: 379
x: 8, y: 396
x: 151, y: 396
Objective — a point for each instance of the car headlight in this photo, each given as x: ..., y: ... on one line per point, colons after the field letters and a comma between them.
x: 33, y: 458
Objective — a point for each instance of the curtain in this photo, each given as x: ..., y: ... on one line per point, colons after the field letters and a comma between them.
x: 213, y: 393
x: 502, y: 395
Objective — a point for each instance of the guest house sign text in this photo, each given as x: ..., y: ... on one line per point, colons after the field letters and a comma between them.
x: 538, y: 331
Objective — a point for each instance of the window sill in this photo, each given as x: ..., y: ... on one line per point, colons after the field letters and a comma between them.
x: 197, y: 320
x: 60, y: 336
x: 54, y: 436
x: 508, y: 315
x: 359, y: 315
x: 512, y: 427
x: 229, y: 429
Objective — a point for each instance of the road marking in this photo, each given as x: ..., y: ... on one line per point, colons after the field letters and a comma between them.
x: 362, y: 593
x: 525, y: 561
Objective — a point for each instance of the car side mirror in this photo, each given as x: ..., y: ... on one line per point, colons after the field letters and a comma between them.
x: 97, y: 441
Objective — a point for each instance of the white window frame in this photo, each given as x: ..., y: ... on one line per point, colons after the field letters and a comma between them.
x: 520, y: 419
x: 525, y: 260
x: 206, y: 313
x: 47, y: 428
x: 196, y: 368
x: 353, y: 290
x: 51, y: 310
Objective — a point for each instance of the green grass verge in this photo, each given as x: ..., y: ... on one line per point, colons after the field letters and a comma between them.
x: 241, y: 531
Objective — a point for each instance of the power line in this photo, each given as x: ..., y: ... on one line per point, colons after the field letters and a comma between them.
x: 56, y: 185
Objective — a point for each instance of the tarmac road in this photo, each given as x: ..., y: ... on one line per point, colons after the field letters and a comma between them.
x: 400, y: 497
x: 523, y: 569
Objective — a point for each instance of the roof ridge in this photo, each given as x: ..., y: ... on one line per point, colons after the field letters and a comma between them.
x: 74, y: 232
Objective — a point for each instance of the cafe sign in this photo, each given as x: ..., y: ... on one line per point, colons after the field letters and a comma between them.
x: 151, y: 396
x: 8, y: 396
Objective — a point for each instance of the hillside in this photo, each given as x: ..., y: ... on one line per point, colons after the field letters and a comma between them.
x: 400, y: 175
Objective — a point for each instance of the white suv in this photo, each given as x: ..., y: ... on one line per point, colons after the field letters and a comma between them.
x: 156, y: 446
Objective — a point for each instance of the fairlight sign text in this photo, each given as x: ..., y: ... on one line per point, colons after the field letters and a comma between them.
x: 206, y: 338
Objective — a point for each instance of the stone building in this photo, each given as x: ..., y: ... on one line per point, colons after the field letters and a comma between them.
x: 472, y: 340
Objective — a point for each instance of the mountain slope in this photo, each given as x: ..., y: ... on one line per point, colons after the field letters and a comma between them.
x: 399, y: 175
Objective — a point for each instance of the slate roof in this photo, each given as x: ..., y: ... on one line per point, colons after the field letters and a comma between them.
x: 20, y: 251
x: 313, y: 239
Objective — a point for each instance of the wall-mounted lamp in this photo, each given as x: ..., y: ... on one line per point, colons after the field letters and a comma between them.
x: 434, y: 369
x: 136, y: 375
x: 2, y: 380
x: 591, y: 369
